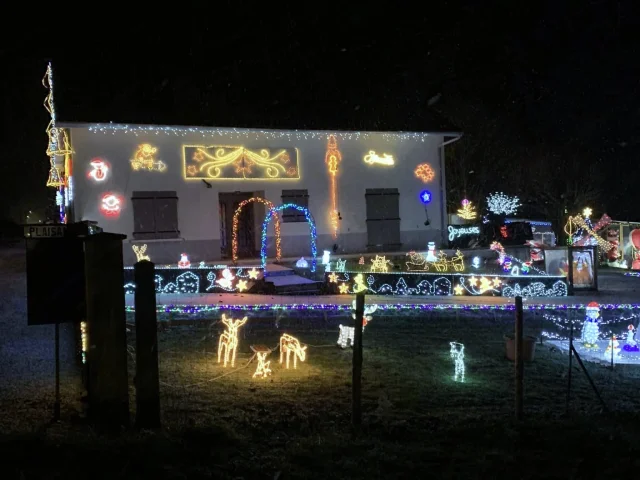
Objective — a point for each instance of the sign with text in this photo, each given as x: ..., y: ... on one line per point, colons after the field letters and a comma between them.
x: 45, y: 231
x: 463, y: 236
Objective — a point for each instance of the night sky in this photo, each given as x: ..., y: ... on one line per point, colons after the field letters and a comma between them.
x: 546, y: 94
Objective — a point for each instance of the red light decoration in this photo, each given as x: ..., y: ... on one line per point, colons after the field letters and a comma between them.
x: 111, y: 205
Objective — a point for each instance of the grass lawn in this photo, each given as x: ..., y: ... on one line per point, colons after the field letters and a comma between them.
x: 418, y: 422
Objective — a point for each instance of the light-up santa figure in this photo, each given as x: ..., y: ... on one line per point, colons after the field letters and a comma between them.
x: 591, y: 329
x: 631, y: 345
x: 184, y: 261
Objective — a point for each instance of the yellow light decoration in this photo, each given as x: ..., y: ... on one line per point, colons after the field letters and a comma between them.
x: 253, y: 273
x: 458, y: 290
x: 228, y: 343
x: 145, y: 159
x: 241, y: 285
x: 140, y: 251
x: 418, y: 262
x: 210, y: 163
x: 587, y: 212
x: 359, y: 284
x: 372, y: 158
x: 333, y: 278
x: 236, y: 221
x: 468, y: 211
x: 291, y: 345
x: 263, y: 369
x: 580, y: 222
x: 343, y: 288
x: 424, y: 172
x: 379, y: 264
x: 84, y: 341
x: 332, y: 158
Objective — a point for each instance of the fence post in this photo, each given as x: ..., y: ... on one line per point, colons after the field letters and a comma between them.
x: 570, y: 360
x: 356, y: 382
x: 519, y: 362
x: 147, y: 377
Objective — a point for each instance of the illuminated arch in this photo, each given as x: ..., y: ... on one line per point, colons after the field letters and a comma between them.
x: 236, y: 218
x: 273, y: 212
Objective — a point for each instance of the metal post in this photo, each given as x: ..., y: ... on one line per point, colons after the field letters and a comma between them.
x: 356, y: 382
x: 56, y: 404
x: 570, y: 361
x: 519, y: 360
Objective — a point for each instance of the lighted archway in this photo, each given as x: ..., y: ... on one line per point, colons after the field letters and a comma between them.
x: 236, y: 218
x: 273, y: 212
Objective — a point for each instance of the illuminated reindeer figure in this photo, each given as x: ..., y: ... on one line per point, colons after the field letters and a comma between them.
x: 229, y: 339
x: 345, y: 338
x: 140, y: 251
x: 289, y: 345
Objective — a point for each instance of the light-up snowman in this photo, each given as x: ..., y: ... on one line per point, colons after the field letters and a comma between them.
x: 591, y: 329
x: 184, y: 261
x: 326, y: 257
x: 615, y: 346
x: 431, y: 252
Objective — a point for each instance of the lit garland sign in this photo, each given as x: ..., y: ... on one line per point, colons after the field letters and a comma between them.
x: 372, y: 158
x: 425, y: 197
x: 444, y: 284
x: 219, y: 279
x: 219, y: 162
x: 457, y: 232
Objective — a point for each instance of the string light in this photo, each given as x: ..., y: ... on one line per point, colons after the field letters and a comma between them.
x: 290, y: 345
x: 457, y: 232
x: 273, y: 212
x: 341, y: 265
x: 379, y: 264
x: 391, y: 308
x: 374, y: 159
x: 424, y: 173
x: 457, y: 354
x: 236, y: 221
x: 228, y: 343
x: 209, y: 162
x: 333, y: 158
x: 468, y: 211
x: 420, y: 262
x: 140, y: 252
x: 145, y: 159
x: 501, y: 204
x: 251, y: 134
x: 582, y: 223
x: 84, y: 341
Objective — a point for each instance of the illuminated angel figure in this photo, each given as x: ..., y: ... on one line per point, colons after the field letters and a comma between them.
x: 228, y: 342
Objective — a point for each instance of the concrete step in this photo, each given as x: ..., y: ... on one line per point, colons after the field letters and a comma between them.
x: 294, y: 284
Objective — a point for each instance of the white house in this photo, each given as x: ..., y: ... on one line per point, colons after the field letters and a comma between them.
x: 176, y: 189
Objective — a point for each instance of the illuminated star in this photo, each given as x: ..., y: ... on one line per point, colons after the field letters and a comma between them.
x: 496, y: 282
x: 587, y: 212
x: 333, y: 278
x: 344, y: 288
x: 426, y: 197
x: 253, y: 274
x: 458, y: 290
x: 473, y: 281
x: 242, y: 285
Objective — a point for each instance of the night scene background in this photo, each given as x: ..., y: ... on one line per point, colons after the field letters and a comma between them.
x: 546, y: 94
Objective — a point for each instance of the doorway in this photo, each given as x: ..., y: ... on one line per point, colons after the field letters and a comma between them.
x: 228, y: 204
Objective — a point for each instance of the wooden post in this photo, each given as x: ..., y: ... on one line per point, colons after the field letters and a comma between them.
x: 147, y: 377
x: 108, y: 381
x: 356, y: 382
x: 519, y: 361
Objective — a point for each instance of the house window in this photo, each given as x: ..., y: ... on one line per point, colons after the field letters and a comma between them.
x: 155, y: 215
x: 300, y: 198
x: 383, y: 219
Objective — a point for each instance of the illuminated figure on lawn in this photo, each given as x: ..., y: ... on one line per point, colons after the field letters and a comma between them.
x: 615, y: 346
x: 591, y: 329
x: 631, y: 345
x: 229, y: 340
x: 345, y: 339
x: 457, y: 353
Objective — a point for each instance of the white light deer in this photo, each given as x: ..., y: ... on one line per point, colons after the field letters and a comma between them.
x: 345, y: 338
x: 140, y: 251
x: 289, y: 345
x: 229, y: 340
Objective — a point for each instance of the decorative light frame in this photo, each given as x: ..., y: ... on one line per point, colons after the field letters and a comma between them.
x: 236, y: 220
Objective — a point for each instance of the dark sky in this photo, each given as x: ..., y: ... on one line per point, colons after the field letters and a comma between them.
x: 555, y: 77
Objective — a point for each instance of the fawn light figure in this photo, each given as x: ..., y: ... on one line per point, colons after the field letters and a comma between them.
x: 291, y: 345
x: 229, y: 340
x: 457, y: 353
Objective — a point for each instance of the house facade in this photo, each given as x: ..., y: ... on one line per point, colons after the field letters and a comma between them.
x: 178, y: 189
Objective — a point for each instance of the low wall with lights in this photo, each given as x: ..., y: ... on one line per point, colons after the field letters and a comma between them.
x: 444, y: 284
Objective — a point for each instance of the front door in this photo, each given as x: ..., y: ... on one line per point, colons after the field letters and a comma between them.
x: 229, y: 203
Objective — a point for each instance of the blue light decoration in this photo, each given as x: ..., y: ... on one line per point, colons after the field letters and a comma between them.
x: 312, y: 233
x: 425, y: 197
x: 218, y: 278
